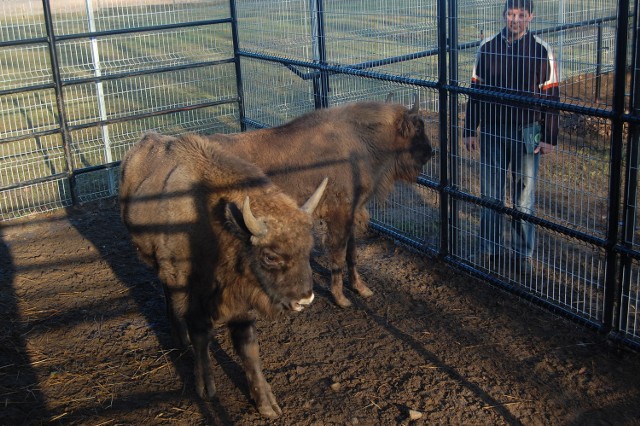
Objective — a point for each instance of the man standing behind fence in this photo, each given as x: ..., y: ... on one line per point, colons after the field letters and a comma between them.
x: 512, y: 62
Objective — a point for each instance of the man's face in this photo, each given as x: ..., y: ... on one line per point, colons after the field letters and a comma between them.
x: 517, y: 21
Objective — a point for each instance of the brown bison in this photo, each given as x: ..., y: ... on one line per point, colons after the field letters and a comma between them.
x: 224, y: 241
x: 363, y: 147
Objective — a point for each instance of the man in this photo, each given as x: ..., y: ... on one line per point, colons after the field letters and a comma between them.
x: 513, y: 62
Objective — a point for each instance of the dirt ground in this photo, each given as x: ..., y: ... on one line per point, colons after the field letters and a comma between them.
x: 84, y: 340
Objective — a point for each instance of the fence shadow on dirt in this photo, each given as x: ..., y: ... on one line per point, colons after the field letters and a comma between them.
x: 428, y: 357
x: 18, y: 380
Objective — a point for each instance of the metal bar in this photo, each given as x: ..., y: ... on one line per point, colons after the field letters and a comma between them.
x: 27, y: 89
x: 631, y: 184
x: 315, y: 75
x: 601, y: 242
x: 612, y: 285
x: 509, y: 98
x: 102, y: 108
x: 598, y: 63
x: 321, y: 84
x: 448, y: 217
x: 519, y: 100
x: 22, y: 42
x: 62, y: 122
x: 153, y: 114
x: 152, y: 71
x: 49, y: 178
x: 342, y: 69
x: 236, y: 58
x: 151, y: 28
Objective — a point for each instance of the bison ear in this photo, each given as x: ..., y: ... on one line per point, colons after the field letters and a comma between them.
x: 405, y: 125
x: 234, y: 220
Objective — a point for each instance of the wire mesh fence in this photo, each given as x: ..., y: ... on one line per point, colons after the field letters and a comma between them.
x: 80, y: 80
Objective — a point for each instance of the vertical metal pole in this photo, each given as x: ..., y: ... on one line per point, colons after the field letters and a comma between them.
x: 57, y: 79
x: 445, y: 225
x: 612, y: 285
x: 321, y: 78
x: 560, y: 53
x: 598, y: 62
x: 102, y: 108
x: 631, y: 198
x: 236, y: 47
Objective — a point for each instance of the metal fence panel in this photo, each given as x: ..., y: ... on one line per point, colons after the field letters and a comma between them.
x: 79, y: 86
x: 80, y: 81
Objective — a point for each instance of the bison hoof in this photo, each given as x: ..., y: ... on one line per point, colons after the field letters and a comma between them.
x: 270, y: 411
x: 206, y: 392
x: 364, y: 291
x: 342, y: 301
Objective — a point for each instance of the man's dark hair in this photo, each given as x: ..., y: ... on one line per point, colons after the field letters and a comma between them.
x: 519, y: 4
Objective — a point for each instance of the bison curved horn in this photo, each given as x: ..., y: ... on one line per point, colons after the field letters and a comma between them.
x: 257, y: 227
x: 313, y: 201
x: 416, y: 104
x: 389, y: 98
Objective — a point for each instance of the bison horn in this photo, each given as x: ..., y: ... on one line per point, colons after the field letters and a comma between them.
x: 313, y: 201
x: 257, y: 227
x: 389, y: 98
x: 416, y: 104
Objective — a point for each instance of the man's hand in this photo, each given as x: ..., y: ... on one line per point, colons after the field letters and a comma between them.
x: 544, y: 148
x: 470, y: 143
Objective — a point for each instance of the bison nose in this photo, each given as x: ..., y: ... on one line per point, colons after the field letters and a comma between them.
x: 300, y: 304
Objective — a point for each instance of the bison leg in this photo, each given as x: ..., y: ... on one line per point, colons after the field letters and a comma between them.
x: 337, y: 288
x: 175, y: 307
x: 354, y: 277
x: 203, y: 372
x: 337, y: 241
x: 245, y: 342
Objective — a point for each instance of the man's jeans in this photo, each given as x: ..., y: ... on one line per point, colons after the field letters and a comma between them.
x: 500, y: 151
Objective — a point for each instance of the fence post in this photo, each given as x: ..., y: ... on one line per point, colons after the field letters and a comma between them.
x: 62, y: 115
x: 236, y: 47
x: 448, y: 151
x: 102, y: 109
x: 598, y: 62
x: 612, y: 284
x: 320, y: 78
x: 631, y: 198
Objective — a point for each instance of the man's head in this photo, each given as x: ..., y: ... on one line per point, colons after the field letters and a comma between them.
x: 517, y: 14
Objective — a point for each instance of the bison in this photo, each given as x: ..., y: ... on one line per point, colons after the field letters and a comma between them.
x: 364, y: 147
x: 224, y: 241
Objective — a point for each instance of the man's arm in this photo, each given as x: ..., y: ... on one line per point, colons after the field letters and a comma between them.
x: 472, y: 113
x: 549, y: 89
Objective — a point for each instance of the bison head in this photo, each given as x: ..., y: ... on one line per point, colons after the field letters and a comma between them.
x: 279, y: 242
x: 415, y: 147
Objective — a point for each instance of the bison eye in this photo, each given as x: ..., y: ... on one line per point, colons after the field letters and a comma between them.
x: 271, y: 259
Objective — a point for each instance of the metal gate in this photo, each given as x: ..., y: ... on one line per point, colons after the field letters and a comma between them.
x: 80, y: 80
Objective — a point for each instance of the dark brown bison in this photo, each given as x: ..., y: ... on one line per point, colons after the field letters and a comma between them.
x: 224, y: 241
x: 363, y: 147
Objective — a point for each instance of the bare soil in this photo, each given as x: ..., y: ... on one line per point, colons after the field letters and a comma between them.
x: 84, y: 340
